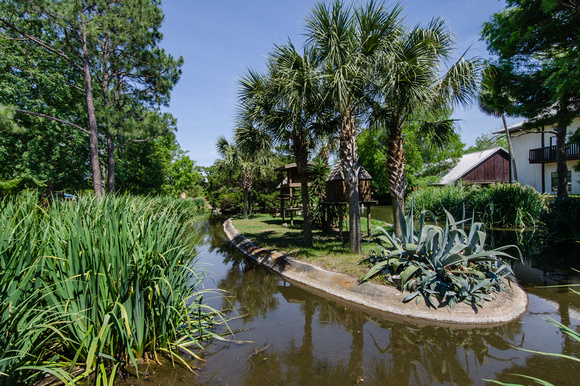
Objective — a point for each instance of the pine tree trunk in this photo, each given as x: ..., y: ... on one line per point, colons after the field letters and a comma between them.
x: 396, y: 173
x: 350, y: 170
x: 110, y: 164
x: 93, y: 132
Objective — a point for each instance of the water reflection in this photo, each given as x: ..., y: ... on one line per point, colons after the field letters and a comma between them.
x: 292, y: 336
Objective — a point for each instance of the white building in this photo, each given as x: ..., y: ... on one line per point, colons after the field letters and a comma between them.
x: 535, y: 155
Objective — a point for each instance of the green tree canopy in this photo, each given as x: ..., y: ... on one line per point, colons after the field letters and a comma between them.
x: 94, y: 66
x: 536, y: 48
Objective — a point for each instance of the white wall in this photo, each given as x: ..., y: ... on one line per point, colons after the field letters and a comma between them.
x: 531, y: 174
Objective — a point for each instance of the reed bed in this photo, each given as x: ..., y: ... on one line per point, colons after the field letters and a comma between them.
x: 89, y: 286
x: 496, y: 205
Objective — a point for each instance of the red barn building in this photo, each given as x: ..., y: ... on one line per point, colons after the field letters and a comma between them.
x: 482, y: 167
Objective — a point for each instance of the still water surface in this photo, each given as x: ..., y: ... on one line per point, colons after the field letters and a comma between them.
x: 294, y: 337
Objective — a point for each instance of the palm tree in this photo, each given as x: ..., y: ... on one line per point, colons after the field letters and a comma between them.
x: 495, y: 102
x: 288, y: 107
x: 247, y: 154
x: 410, y: 83
x: 348, y: 41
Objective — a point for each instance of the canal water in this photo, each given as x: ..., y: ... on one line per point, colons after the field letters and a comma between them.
x: 287, y: 335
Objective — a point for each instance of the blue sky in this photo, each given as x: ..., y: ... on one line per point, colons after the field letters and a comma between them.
x: 220, y: 39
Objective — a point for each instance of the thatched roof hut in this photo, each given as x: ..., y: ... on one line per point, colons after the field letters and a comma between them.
x: 336, y: 187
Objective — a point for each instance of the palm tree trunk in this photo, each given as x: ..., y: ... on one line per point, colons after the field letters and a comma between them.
x: 350, y: 169
x: 301, y: 158
x: 247, y: 181
x: 396, y: 173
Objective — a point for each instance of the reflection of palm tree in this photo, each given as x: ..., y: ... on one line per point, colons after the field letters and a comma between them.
x: 436, y: 351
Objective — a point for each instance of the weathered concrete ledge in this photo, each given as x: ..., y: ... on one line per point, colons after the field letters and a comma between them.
x: 507, y: 306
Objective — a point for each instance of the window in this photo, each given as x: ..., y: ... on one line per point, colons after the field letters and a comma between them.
x: 555, y: 181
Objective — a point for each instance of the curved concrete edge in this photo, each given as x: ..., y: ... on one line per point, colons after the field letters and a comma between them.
x: 508, y: 305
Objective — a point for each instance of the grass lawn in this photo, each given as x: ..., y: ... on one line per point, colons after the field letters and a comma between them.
x: 329, y: 252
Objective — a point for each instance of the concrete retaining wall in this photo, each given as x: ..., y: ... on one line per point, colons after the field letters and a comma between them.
x: 507, y: 306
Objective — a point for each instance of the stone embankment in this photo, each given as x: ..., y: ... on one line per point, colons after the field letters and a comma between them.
x: 507, y: 306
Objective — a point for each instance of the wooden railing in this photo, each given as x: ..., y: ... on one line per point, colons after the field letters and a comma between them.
x: 548, y: 154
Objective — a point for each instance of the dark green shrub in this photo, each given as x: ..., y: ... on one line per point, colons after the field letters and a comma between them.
x: 561, y: 217
x: 439, y: 199
x: 497, y: 205
x: 230, y: 202
x: 267, y: 202
x: 506, y: 205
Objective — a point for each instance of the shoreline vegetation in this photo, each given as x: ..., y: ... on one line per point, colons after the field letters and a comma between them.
x: 89, y: 286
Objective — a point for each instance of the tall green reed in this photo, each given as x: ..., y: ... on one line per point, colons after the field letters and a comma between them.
x: 498, y: 205
x: 116, y: 278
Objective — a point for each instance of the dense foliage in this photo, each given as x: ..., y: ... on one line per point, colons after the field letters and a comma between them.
x: 444, y: 266
x: 424, y: 162
x: 560, y: 219
x: 223, y: 190
x: 486, y: 141
x: 94, y: 74
x: 97, y: 284
x: 535, y: 44
x: 498, y: 205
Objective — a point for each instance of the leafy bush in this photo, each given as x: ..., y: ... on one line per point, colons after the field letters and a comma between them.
x: 448, y: 265
x: 560, y: 219
x: 439, y: 199
x: 499, y: 205
x: 230, y: 202
x: 506, y: 205
x: 96, y: 284
x: 267, y: 202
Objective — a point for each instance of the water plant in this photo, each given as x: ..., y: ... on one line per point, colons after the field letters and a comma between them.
x: 498, y: 205
x: 506, y: 205
x: 444, y: 266
x: 95, y: 285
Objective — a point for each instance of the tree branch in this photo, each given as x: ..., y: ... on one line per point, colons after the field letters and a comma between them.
x: 143, y: 140
x: 53, y: 119
x: 41, y: 43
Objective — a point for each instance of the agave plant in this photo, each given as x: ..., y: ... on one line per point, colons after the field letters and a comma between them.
x: 447, y: 265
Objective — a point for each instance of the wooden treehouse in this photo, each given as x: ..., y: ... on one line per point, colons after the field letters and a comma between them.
x: 336, y: 195
x: 290, y: 182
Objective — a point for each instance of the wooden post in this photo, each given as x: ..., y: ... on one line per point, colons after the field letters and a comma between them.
x: 369, y: 220
x: 340, y: 221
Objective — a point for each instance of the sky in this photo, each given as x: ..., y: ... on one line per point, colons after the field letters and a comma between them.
x: 221, y: 39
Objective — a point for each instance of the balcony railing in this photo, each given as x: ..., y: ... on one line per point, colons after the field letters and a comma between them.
x: 548, y: 154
